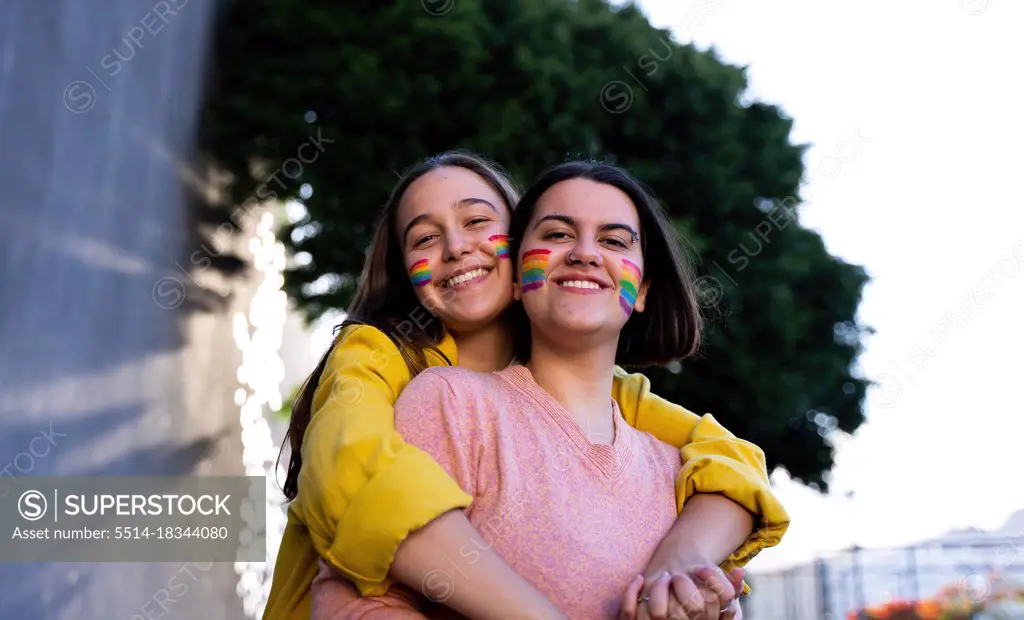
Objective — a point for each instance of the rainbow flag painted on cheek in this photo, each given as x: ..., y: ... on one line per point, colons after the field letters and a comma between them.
x: 535, y: 264
x: 500, y: 244
x: 629, y: 285
x: 420, y: 272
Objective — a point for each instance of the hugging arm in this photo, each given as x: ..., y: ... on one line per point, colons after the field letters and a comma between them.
x: 336, y: 598
x: 362, y: 488
x: 735, y: 512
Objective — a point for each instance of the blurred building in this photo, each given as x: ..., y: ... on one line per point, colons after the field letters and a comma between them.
x: 971, y: 565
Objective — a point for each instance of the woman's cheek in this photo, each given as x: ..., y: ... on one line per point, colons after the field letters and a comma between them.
x: 420, y: 273
x: 500, y: 243
x: 534, y: 272
x: 629, y: 284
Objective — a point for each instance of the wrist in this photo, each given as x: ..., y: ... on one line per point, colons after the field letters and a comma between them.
x: 676, y: 563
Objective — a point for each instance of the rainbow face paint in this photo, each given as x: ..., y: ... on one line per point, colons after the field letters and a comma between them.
x: 420, y: 273
x: 500, y: 245
x: 534, y: 272
x: 628, y: 285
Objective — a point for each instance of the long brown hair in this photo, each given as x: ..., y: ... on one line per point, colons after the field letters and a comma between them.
x: 385, y: 299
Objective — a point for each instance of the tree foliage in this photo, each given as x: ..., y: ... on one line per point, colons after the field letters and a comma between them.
x: 530, y: 83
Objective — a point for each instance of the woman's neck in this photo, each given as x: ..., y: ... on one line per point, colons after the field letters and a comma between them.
x: 485, y: 350
x: 579, y: 379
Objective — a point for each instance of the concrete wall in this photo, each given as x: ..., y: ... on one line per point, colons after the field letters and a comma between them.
x: 125, y: 361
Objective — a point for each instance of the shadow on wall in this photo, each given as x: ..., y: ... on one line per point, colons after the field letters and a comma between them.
x: 98, y: 213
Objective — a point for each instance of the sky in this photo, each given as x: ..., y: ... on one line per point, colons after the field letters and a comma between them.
x: 913, y: 110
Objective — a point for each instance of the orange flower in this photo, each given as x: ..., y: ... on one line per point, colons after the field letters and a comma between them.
x: 928, y: 610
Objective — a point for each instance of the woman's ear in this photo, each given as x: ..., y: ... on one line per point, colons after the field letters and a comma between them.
x: 641, y: 297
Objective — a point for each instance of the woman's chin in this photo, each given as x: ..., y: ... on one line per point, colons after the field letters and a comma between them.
x: 461, y: 320
x: 571, y: 329
x: 584, y: 318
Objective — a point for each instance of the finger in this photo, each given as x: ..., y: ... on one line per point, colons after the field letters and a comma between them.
x: 629, y: 598
x: 733, y: 611
x: 736, y: 576
x: 712, y: 604
x: 714, y: 579
x: 676, y: 611
x: 658, y: 605
x: 688, y: 595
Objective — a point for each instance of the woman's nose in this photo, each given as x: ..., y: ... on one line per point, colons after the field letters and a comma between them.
x: 456, y: 246
x: 585, y: 253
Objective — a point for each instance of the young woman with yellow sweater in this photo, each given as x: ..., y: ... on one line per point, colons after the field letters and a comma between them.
x: 435, y: 291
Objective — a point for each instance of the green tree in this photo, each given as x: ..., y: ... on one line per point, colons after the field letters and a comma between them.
x: 531, y: 83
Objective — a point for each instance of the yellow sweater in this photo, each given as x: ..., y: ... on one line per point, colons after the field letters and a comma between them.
x: 362, y: 489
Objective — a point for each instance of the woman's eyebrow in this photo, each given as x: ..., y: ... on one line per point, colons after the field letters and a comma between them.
x: 634, y: 235
x: 422, y: 217
x: 556, y: 217
x: 568, y: 220
x: 468, y: 202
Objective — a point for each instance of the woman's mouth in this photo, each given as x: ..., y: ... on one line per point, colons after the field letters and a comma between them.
x: 581, y: 284
x: 465, y: 279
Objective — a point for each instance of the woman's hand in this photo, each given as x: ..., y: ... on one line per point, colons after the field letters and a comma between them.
x: 699, y: 592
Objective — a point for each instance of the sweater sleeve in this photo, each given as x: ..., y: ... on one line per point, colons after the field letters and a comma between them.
x: 362, y: 487
x: 714, y: 461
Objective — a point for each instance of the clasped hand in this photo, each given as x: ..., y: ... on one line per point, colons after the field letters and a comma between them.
x: 696, y: 592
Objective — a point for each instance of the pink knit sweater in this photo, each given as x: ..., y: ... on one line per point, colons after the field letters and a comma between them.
x: 577, y: 520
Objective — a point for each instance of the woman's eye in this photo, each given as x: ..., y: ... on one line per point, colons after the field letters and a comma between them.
x: 619, y: 243
x: 423, y: 240
x: 477, y: 220
x: 555, y: 235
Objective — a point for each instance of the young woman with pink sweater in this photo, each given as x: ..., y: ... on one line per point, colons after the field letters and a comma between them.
x: 573, y: 499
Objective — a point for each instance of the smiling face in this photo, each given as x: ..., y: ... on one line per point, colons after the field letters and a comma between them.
x: 452, y: 228
x: 581, y: 264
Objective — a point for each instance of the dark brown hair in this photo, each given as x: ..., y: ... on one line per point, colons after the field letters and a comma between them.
x: 385, y: 298
x: 669, y: 328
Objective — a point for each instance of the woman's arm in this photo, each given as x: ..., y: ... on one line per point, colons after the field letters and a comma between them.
x: 714, y: 462
x: 706, y: 532
x: 335, y: 598
x: 362, y: 488
x: 701, y: 539
x: 452, y: 564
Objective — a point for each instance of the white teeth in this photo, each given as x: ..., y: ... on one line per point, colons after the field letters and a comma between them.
x: 465, y: 277
x: 580, y: 284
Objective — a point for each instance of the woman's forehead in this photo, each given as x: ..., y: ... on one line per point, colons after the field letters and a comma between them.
x: 447, y: 188
x: 584, y: 200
